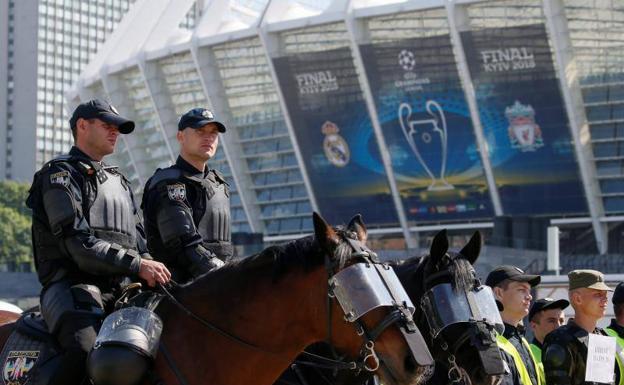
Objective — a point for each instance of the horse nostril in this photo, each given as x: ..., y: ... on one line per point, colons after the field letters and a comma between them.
x: 410, y: 364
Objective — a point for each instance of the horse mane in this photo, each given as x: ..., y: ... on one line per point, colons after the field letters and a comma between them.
x: 272, y: 263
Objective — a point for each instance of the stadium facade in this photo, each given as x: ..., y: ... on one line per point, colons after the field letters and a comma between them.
x: 418, y: 114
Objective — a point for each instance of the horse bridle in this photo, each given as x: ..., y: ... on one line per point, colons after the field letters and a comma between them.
x: 400, y: 314
x: 456, y: 374
x: 367, y: 352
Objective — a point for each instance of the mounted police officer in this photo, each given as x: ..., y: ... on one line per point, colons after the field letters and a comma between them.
x: 565, y: 349
x: 87, y: 236
x: 512, y: 288
x: 187, y: 205
x: 545, y: 315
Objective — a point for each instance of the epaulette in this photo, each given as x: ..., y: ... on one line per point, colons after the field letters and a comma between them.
x: 219, y: 176
x: 163, y: 174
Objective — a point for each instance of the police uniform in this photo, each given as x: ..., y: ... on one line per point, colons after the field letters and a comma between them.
x: 187, y: 212
x: 516, y: 351
x: 565, y: 349
x: 87, y: 236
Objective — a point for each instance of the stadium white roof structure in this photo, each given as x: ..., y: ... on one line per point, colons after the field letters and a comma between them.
x: 169, y: 56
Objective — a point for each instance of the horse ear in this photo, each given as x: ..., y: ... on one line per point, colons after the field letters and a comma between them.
x: 324, y: 233
x: 356, y: 224
x: 440, y: 245
x: 472, y: 249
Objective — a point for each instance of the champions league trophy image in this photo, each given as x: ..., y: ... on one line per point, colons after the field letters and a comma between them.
x: 428, y: 140
x: 524, y: 133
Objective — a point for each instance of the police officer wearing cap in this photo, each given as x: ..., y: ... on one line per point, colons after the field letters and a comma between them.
x: 512, y: 288
x: 616, y: 328
x: 565, y: 349
x: 187, y: 205
x: 545, y: 315
x: 87, y: 236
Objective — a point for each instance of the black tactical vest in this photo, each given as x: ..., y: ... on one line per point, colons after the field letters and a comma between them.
x: 106, y: 204
x: 214, y: 225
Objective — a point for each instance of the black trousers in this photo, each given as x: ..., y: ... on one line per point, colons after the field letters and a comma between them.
x: 76, y: 335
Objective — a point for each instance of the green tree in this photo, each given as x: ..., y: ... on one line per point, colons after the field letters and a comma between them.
x: 15, y: 239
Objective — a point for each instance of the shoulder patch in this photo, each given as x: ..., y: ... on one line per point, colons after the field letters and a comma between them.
x: 61, y: 177
x: 176, y: 192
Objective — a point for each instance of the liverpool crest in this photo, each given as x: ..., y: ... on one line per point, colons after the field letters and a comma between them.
x: 176, y: 192
x: 524, y: 133
x: 336, y: 148
x: 17, y: 366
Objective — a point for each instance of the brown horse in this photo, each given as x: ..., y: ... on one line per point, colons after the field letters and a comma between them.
x: 271, y: 306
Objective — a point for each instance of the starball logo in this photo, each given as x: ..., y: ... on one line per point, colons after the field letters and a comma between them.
x: 316, y: 82
x: 507, y: 59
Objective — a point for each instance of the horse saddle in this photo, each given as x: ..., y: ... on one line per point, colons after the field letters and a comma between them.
x: 31, y: 354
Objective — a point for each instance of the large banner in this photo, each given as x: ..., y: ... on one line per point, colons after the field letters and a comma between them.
x: 524, y: 120
x: 335, y: 136
x: 427, y: 128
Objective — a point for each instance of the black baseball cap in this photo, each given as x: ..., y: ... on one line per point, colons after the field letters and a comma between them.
x: 546, y: 304
x: 99, y: 109
x: 199, y: 117
x: 501, y: 273
x: 618, y: 294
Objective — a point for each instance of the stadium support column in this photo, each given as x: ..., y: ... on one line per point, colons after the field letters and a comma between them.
x: 358, y: 35
x: 271, y: 44
x: 458, y: 21
x: 209, y: 77
x: 161, y: 102
x: 117, y: 95
x: 568, y: 78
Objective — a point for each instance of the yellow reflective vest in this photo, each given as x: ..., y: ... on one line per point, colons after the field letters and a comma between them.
x: 620, y: 348
x: 537, y: 357
x: 508, y: 347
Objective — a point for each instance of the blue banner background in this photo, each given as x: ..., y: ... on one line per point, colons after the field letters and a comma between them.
x: 510, y: 65
x: 416, y: 71
x: 321, y: 87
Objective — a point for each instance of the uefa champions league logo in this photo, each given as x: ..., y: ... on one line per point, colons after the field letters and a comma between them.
x: 407, y: 60
x: 524, y: 133
x: 421, y: 136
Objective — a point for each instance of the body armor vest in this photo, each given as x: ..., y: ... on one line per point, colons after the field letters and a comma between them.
x: 109, y: 210
x: 111, y: 215
x: 214, y: 225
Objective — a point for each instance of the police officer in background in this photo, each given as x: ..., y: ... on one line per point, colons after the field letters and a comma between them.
x: 187, y: 205
x: 87, y: 236
x: 565, y: 349
x: 545, y: 315
x: 616, y: 328
x: 512, y: 288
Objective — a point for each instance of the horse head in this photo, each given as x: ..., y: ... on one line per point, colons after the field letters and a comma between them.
x: 371, y: 316
x: 457, y: 315
x: 250, y: 318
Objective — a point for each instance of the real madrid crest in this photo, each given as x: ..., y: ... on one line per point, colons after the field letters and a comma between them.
x: 336, y: 148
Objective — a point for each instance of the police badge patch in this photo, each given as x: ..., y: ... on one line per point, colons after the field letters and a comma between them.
x: 61, y: 177
x: 18, y: 365
x: 176, y: 192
